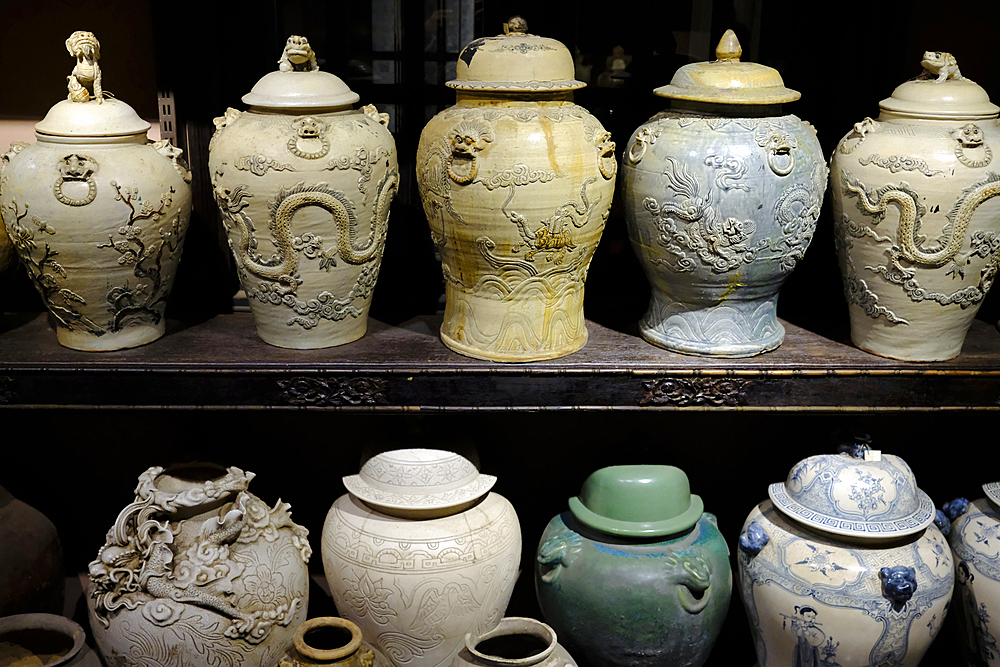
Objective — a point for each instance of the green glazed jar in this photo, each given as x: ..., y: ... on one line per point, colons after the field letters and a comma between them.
x: 635, y: 573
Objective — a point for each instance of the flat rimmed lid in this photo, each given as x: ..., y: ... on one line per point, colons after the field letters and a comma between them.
x: 299, y: 83
x: 87, y: 112
x: 992, y: 490
x: 637, y: 501
x: 940, y: 92
x: 418, y: 479
x: 515, y: 62
x: 726, y: 80
x: 874, y: 497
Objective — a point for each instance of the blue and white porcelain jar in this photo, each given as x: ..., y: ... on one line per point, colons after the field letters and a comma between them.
x: 844, y: 566
x: 975, y: 541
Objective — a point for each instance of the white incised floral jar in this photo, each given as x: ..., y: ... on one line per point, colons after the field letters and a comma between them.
x: 722, y: 194
x: 97, y: 213
x: 198, y: 571
x: 304, y: 182
x: 975, y: 541
x: 917, y: 215
x: 844, y: 566
x: 516, y: 182
x: 420, y: 553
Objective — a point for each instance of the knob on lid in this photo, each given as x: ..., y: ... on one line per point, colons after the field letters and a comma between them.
x: 299, y: 83
x: 727, y: 80
x: 515, y: 62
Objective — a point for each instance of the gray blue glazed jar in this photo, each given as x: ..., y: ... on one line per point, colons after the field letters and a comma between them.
x: 635, y: 573
x: 844, y: 565
x: 722, y: 194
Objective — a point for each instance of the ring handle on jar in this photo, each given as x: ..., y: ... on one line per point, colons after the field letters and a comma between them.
x: 76, y: 169
x: 557, y: 552
x: 607, y: 154
x: 645, y: 137
x: 753, y: 539
x: 473, y: 168
x: 784, y: 166
x: 971, y: 136
x: 309, y: 128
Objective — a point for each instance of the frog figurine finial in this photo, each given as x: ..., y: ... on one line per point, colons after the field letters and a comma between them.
x: 729, y: 48
x: 83, y: 46
x: 298, y: 56
x: 942, y: 64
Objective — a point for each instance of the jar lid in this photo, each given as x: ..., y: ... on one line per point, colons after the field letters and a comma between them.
x: 515, y: 62
x: 299, y: 83
x: 860, y: 494
x: 726, y: 80
x: 940, y: 92
x: 637, y: 501
x: 992, y: 490
x: 87, y: 112
x: 418, y: 479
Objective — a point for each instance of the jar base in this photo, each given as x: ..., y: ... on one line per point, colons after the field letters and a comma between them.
x: 111, y: 341
x: 724, y: 331
x: 513, y: 357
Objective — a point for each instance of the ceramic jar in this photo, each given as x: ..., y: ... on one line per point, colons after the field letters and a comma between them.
x: 46, y: 640
x: 327, y: 640
x: 722, y: 193
x: 844, y: 565
x: 419, y: 553
x: 97, y: 213
x: 304, y: 183
x: 635, y: 574
x: 32, y: 578
x: 516, y: 182
x: 917, y: 241
x: 197, y: 570
x: 974, y: 537
x: 515, y: 642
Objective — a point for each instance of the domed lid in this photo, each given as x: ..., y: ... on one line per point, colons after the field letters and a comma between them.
x: 637, y: 501
x: 87, y: 112
x: 515, y: 62
x: 858, y: 493
x: 418, y: 479
x: 726, y: 80
x: 940, y: 92
x: 299, y: 83
x: 993, y: 491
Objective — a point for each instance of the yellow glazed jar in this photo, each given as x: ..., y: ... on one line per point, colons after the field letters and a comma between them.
x: 516, y: 181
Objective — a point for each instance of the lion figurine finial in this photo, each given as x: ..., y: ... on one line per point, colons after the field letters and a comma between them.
x: 86, y: 75
x: 298, y: 56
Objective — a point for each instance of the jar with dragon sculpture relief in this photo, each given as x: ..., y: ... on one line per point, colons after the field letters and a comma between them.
x: 199, y: 571
x: 975, y: 542
x: 97, y: 213
x: 516, y: 182
x: 636, y: 573
x: 421, y: 553
x: 304, y: 182
x: 917, y: 221
x: 722, y: 194
x: 844, y: 565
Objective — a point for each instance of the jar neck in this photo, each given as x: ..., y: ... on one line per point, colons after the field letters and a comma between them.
x: 913, y: 119
x: 515, y: 642
x: 727, y: 110
x: 138, y: 138
x: 492, y: 98
x: 304, y: 111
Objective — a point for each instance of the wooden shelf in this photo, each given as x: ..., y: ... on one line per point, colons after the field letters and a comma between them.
x: 222, y: 364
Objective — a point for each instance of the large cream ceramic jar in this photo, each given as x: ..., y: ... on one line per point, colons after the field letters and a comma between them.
x: 975, y: 541
x: 844, y: 565
x: 516, y: 182
x: 97, y: 213
x: 722, y: 194
x: 199, y: 571
x: 917, y: 214
x: 304, y: 183
x: 420, y: 553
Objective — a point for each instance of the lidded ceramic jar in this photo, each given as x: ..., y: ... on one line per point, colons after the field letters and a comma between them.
x: 917, y: 221
x: 844, y: 565
x: 515, y: 642
x: 974, y: 538
x: 722, y: 194
x: 516, y: 181
x: 97, y: 213
x: 636, y: 573
x: 197, y: 571
x: 420, y: 553
x: 304, y: 183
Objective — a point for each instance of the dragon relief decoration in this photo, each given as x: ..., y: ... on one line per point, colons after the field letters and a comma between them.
x: 909, y: 248
x: 212, y: 547
x: 277, y: 276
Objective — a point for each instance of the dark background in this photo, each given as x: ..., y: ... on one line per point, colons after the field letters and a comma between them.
x: 80, y: 466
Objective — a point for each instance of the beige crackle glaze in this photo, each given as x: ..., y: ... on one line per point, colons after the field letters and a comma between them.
x: 917, y: 214
x: 420, y: 553
x: 304, y: 182
x: 97, y: 213
x: 516, y: 182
